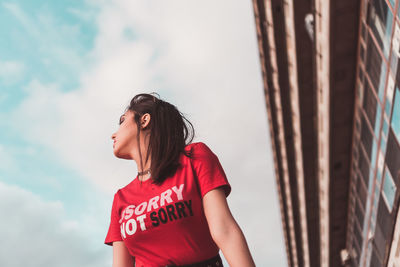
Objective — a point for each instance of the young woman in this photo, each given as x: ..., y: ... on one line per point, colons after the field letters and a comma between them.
x: 175, y: 212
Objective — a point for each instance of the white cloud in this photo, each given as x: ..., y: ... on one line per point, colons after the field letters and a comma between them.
x: 85, y: 15
x: 185, y: 50
x: 11, y: 71
x: 6, y: 159
x: 36, y: 233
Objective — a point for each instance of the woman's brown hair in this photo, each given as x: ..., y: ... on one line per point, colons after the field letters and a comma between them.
x: 170, y: 132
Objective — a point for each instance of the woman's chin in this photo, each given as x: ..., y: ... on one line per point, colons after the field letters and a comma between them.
x: 120, y: 155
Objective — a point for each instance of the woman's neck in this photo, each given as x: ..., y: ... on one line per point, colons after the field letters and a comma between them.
x: 145, y: 172
x: 144, y: 177
x: 143, y: 165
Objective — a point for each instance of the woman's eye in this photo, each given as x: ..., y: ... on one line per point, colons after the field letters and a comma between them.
x: 121, y: 119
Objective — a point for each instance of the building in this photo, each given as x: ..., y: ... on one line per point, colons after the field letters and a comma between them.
x: 331, y: 83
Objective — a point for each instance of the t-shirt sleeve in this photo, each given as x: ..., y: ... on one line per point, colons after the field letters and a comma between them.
x: 210, y: 174
x: 114, y: 232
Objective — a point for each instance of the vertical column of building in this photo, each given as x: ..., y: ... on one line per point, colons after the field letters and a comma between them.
x: 263, y: 27
x: 322, y: 23
x: 281, y: 131
x: 295, y: 112
x: 275, y: 103
x: 353, y: 253
x: 266, y: 41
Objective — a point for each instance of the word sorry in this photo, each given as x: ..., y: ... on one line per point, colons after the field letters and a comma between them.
x: 170, y: 212
x: 152, y: 204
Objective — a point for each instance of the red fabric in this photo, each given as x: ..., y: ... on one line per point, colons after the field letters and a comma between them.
x: 165, y: 224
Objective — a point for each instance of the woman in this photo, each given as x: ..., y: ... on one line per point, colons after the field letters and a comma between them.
x: 175, y: 212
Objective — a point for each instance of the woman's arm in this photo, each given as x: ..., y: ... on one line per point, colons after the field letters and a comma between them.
x: 224, y: 230
x: 121, y: 256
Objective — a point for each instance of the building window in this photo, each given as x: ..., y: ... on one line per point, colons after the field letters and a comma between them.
x: 396, y: 115
x: 393, y: 3
x: 374, y: 66
x: 383, y: 144
x: 378, y: 176
x: 388, y: 190
x: 359, y: 212
x: 395, y: 48
x: 392, y: 158
x: 387, y: 108
x: 366, y: 137
x: 373, y: 155
x: 369, y: 104
x: 398, y: 12
x: 361, y: 190
x: 363, y: 165
x: 375, y: 260
x: 358, y: 236
x: 382, y: 82
x: 380, y: 21
x: 397, y: 70
x: 379, y: 244
x: 378, y: 121
x: 355, y: 254
x: 385, y: 127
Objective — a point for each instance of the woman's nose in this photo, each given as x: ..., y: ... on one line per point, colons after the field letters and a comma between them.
x: 113, y: 136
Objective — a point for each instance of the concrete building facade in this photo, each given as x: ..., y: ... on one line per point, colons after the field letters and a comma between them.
x: 331, y: 84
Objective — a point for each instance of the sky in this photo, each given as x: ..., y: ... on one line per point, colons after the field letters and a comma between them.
x: 69, y: 68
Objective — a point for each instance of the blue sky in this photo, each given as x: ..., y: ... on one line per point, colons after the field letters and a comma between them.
x: 67, y: 71
x: 43, y: 43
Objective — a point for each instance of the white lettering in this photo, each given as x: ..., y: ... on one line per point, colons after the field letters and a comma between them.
x: 123, y: 230
x: 153, y: 203
x: 130, y: 226
x: 129, y: 211
x: 165, y: 196
x: 140, y: 219
x: 132, y: 229
x: 178, y: 191
x: 140, y: 209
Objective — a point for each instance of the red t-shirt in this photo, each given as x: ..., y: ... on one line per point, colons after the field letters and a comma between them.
x: 165, y: 224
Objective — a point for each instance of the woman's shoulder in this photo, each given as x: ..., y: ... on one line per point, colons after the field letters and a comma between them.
x: 127, y: 188
x: 198, y: 147
x: 199, y: 150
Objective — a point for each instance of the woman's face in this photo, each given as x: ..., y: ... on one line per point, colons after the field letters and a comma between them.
x: 125, y: 139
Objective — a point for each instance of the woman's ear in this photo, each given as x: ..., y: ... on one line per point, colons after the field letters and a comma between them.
x: 145, y: 120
